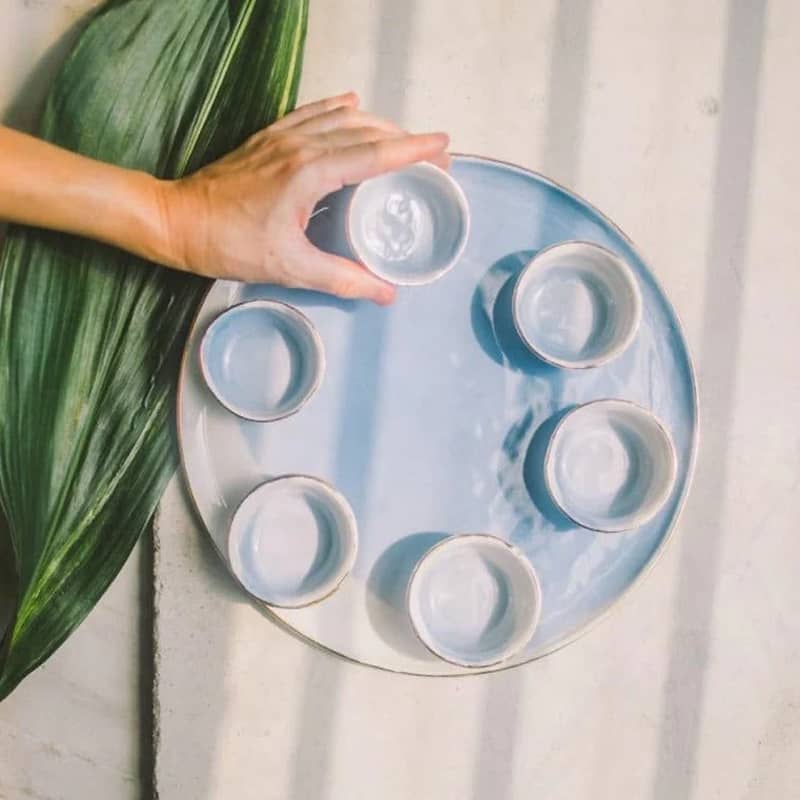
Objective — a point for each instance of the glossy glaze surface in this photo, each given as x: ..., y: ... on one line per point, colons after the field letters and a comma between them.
x: 262, y: 360
x: 610, y: 465
x: 292, y: 541
x: 577, y: 305
x: 474, y: 600
x: 434, y: 418
x: 410, y: 226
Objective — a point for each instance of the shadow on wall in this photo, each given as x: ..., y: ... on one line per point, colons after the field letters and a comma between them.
x: 206, y: 700
x: 689, y: 649
x: 566, y: 90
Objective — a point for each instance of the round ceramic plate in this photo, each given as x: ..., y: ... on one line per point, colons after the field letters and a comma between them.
x: 433, y: 419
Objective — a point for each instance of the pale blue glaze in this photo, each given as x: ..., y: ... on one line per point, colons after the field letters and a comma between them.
x: 409, y: 226
x: 577, y: 305
x: 262, y: 361
x: 433, y: 417
x: 592, y: 308
x: 292, y: 541
x: 610, y: 466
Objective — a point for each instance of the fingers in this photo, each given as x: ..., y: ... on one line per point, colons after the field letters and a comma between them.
x: 440, y: 159
x: 350, y: 137
x: 331, y: 274
x: 344, y: 117
x: 341, y: 112
x: 358, y: 162
x: 306, y: 112
x: 332, y: 123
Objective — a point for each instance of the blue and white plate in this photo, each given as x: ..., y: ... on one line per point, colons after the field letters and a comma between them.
x: 434, y: 418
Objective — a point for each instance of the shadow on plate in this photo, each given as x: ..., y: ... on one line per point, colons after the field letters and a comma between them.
x: 520, y: 476
x: 386, y: 591
x: 493, y: 320
x: 300, y: 298
x: 327, y: 228
x: 533, y: 472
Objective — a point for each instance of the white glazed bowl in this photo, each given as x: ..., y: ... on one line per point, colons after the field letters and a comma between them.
x: 263, y: 360
x: 610, y: 465
x: 408, y: 227
x: 577, y: 305
x: 292, y: 541
x: 474, y: 600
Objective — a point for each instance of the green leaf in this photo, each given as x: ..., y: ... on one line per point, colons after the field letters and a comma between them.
x: 90, y: 337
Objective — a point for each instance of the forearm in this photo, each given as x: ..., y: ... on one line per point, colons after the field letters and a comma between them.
x: 48, y: 187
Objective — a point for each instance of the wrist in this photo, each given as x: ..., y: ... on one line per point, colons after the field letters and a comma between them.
x: 139, y: 222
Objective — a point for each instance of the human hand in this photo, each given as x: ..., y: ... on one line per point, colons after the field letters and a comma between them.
x: 244, y: 216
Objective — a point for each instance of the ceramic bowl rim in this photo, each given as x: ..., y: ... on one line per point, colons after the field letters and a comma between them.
x: 587, y: 363
x: 351, y: 540
x: 528, y: 568
x: 637, y: 519
x: 304, y: 322
x: 442, y: 175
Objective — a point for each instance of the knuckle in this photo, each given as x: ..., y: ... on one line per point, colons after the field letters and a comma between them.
x: 288, y: 143
x: 251, y: 142
x: 300, y: 159
x: 259, y: 139
x: 296, y: 153
x: 374, y: 152
x: 345, y: 116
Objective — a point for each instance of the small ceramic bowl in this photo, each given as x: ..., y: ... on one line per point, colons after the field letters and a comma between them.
x: 262, y: 360
x: 474, y: 600
x: 577, y: 305
x: 408, y: 227
x: 292, y: 541
x: 610, y: 465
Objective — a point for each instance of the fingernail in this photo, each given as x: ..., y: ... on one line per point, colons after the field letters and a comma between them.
x: 385, y: 295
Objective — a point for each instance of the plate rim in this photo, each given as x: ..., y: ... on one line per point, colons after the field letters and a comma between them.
x: 647, y: 570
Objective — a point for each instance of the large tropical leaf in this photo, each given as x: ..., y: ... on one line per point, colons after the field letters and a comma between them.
x: 90, y: 336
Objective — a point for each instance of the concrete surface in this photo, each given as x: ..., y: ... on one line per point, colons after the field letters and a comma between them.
x: 679, y: 120
x: 71, y: 730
